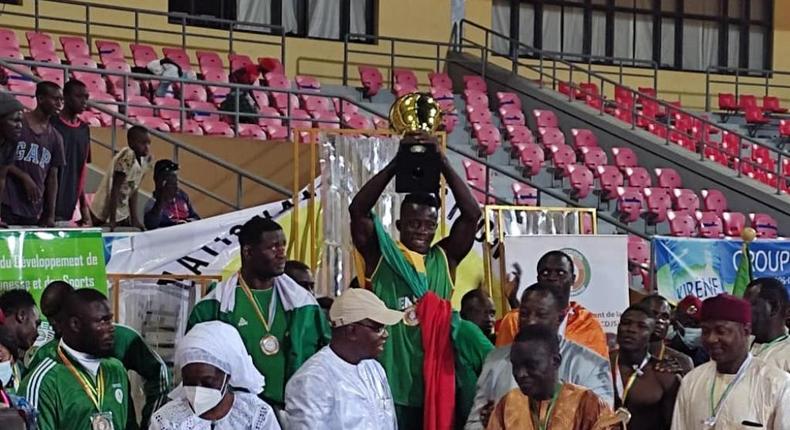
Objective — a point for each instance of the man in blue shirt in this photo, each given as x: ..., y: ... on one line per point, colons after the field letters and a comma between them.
x: 171, y: 205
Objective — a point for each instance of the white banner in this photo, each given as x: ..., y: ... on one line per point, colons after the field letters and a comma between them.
x: 601, y: 263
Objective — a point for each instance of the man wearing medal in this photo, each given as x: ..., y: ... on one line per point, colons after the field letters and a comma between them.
x: 416, y: 276
x: 770, y: 308
x: 647, y: 394
x: 82, y: 387
x: 735, y: 390
x: 280, y: 322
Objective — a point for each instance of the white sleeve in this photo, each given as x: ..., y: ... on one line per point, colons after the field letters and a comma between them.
x: 483, y: 392
x: 269, y: 421
x: 781, y: 420
x: 681, y: 405
x: 308, y: 406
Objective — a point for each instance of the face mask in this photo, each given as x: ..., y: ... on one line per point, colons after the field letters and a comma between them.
x: 203, y: 399
x: 692, y: 337
x: 6, y: 373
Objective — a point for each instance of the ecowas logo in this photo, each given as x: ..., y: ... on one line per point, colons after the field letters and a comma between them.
x: 582, y: 269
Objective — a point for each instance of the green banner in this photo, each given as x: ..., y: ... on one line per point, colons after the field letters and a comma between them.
x: 31, y: 259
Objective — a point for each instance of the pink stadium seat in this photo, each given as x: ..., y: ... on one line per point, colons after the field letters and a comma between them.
x: 169, y: 107
x: 304, y: 82
x: 519, y: 134
x: 194, y: 92
x: 668, y: 178
x: 139, y: 106
x: 658, y: 129
x: 8, y: 40
x: 133, y: 87
x: 638, y: 254
x: 237, y: 61
x: 261, y: 98
x: 142, y: 54
x: 681, y: 224
x: 765, y: 224
x: 178, y: 56
x: 638, y: 177
x: 44, y: 57
x: 217, y: 128
x: 276, y: 132
x: 190, y: 126
x: 440, y: 80
x: 39, y: 43
x: 610, y: 179
x: 593, y: 156
x: 734, y: 222
x: 684, y: 199
x: 252, y: 131
x: 629, y: 204
x: 449, y: 121
x: 531, y: 158
x: 271, y: 65
x: 88, y: 117
x: 488, y: 139
x: 551, y: 136
x: 380, y: 123
x: 282, y: 100
x: 511, y: 115
x: 583, y: 137
x: 524, y: 195
x: 482, y: 116
x: 561, y: 156
x: 505, y: 98
x: 217, y: 93
x: 52, y: 75
x: 658, y: 203
x: 371, y: 80
x: 154, y: 123
x: 545, y: 118
x: 357, y: 121
x: 269, y: 116
x: 203, y: 111
x: 20, y: 87
x: 325, y: 119
x: 771, y: 104
x: 74, y: 47
x: 405, y: 82
x: 581, y: 180
x: 475, y: 82
x: 209, y: 60
x: 473, y: 170
x: 316, y: 103
x: 276, y: 80
x: 93, y: 81
x: 444, y: 97
x: 107, y: 102
x: 476, y: 98
x: 109, y: 51
x: 344, y: 107
x: 710, y: 225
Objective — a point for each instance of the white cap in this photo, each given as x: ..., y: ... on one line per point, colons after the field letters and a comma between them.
x: 357, y: 304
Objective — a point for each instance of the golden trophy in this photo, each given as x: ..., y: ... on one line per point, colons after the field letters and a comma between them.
x: 417, y: 116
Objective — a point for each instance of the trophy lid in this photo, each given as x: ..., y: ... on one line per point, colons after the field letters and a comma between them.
x: 414, y: 113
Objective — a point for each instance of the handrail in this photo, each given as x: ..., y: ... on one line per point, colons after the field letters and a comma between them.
x: 766, y: 76
x: 669, y: 108
x: 233, y: 26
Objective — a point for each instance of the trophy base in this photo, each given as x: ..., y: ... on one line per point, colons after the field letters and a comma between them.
x: 417, y: 171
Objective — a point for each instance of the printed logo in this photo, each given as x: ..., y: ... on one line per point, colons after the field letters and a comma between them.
x: 242, y: 322
x: 583, y: 274
x: 119, y: 395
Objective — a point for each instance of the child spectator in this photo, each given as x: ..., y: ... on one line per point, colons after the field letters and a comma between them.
x: 171, y: 204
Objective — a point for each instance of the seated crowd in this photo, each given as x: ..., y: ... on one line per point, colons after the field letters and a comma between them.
x: 261, y: 352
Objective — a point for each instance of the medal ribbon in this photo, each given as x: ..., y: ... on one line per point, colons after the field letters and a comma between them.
x: 638, y: 371
x: 255, y: 305
x: 543, y: 423
x: 95, y: 394
x: 768, y: 345
x: 715, y: 410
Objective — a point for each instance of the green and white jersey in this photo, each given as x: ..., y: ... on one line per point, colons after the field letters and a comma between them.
x: 63, y: 404
x: 298, y: 324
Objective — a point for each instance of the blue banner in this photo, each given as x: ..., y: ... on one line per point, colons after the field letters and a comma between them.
x: 707, y: 267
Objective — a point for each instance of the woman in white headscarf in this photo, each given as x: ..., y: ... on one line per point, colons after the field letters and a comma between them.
x: 220, y: 385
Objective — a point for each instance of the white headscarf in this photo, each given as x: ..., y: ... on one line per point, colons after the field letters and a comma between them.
x: 220, y: 345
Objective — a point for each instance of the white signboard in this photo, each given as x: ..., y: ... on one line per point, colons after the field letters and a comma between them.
x: 601, y: 265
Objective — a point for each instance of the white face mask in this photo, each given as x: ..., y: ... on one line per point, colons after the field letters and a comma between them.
x: 203, y: 399
x: 6, y: 373
x: 692, y: 337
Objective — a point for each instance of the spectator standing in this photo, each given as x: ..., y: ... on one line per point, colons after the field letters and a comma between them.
x: 32, y: 186
x: 115, y: 202
x: 688, y: 334
x: 171, y: 205
x: 77, y: 153
x: 10, y: 133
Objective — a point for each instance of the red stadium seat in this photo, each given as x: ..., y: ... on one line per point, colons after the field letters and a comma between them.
x: 282, y: 100
x: 765, y: 225
x: 681, y: 224
x: 190, y: 126
x: 178, y: 56
x: 357, y: 121
x: 728, y: 103
x: 511, y: 115
x: 624, y: 158
x: 449, y: 121
x: 545, y: 118
x: 668, y: 178
x: 754, y: 120
x: 29, y: 102
x: 168, y: 107
x: 561, y: 156
x: 276, y: 132
x: 488, y: 139
x: 482, y: 116
x: 405, y: 82
x: 593, y: 156
x: 300, y: 119
x: 217, y: 93
x: 475, y: 82
x: 194, y: 92
x: 371, y: 80
x: 209, y: 60
x: 109, y: 51
x: 638, y: 177
x: 74, y: 47
x: 8, y: 40
x: 784, y: 130
x: 551, y: 136
x: 154, y: 123
x: 581, y: 180
x: 638, y: 254
x: 473, y: 170
x: 519, y: 134
x: 684, y: 199
x: 316, y: 103
x: 344, y: 107
x: 583, y: 137
x: 379, y: 123
x: 252, y: 131
x: 734, y: 222
x: 771, y: 104
x: 747, y: 101
x: 142, y: 54
x: 307, y: 83
x: 440, y: 80
x: 524, y: 195
x: 532, y: 158
x: 610, y: 179
x: 269, y: 117
x: 133, y: 87
x: 476, y: 98
x: 217, y: 128
x: 444, y: 97
x: 710, y: 224
x: 629, y: 204
x: 139, y: 106
x: 203, y: 111
x: 261, y: 98
x: 237, y: 61
x: 658, y: 203
x: 40, y: 44
x: 52, y: 75
x: 325, y: 119
x: 506, y: 98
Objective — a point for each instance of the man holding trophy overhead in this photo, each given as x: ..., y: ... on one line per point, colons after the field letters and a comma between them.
x: 432, y: 349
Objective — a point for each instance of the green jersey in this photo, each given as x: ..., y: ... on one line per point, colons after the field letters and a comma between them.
x: 63, y: 403
x: 130, y: 348
x: 297, y: 323
x: 471, y: 348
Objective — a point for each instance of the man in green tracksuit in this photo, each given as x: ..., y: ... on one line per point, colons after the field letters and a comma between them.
x: 83, y: 387
x: 280, y: 322
x: 128, y: 347
x: 403, y: 353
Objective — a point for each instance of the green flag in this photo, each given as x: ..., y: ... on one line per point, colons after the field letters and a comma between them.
x: 744, y: 275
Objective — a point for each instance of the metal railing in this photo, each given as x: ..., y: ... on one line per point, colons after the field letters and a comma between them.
x: 734, y: 79
x: 547, y: 68
x: 136, y: 27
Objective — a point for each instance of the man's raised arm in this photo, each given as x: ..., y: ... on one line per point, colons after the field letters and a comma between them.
x: 462, y: 234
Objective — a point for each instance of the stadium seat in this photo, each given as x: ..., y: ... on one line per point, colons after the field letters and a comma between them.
x: 551, y: 136
x: 20, y: 87
x: 133, y: 87
x: 300, y: 119
x: 344, y: 107
x: 728, y: 104
x: 380, y: 123
x: 444, y: 97
x: 88, y: 117
x: 684, y: 199
x: 39, y: 44
x: 473, y: 170
x: 52, y: 75
x: 524, y: 195
x: 203, y: 111
x: 139, y: 106
x: 610, y: 179
x: 638, y: 254
x: 593, y: 156
x: 771, y: 104
x: 261, y: 98
x: 190, y: 126
x: 237, y: 61
x: 109, y: 51
x: 269, y: 116
x: 657, y: 202
x: 142, y: 54
x: 74, y: 47
x: 371, y: 80
x: 475, y: 82
x: 681, y: 224
x: 217, y: 128
x: 271, y: 65
x: 94, y: 82
x: 405, y: 82
x: 668, y: 178
x: 154, y: 123
x: 217, y: 93
x: 210, y: 60
x: 511, y: 115
x: 519, y: 134
x: 709, y: 224
x: 638, y: 177
x: 583, y: 137
x: 506, y: 98
x: 581, y: 180
x: 440, y: 80
x: 307, y: 83
x: 629, y: 204
x: 325, y: 119
x: 755, y: 120
x: 194, y: 92
x: 561, y: 156
x: 316, y: 103
x: 531, y: 157
x: 281, y: 101
x: 357, y: 121
x: 784, y: 131
x: 765, y: 225
x: 252, y: 131
x: 475, y: 98
x: 8, y: 40
x: 545, y: 118
x: 734, y: 222
x: 482, y: 116
x: 747, y: 101
x: 449, y: 121
x: 178, y: 56
x: 168, y: 107
x: 488, y: 139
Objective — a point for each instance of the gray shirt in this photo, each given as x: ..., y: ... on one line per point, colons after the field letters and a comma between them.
x: 580, y: 366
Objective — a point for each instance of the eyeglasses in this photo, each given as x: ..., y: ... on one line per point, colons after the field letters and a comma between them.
x: 379, y: 329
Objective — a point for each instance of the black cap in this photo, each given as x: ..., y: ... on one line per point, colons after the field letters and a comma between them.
x: 165, y: 166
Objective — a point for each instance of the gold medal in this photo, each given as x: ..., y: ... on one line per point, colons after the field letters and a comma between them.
x: 102, y: 421
x: 270, y: 345
x: 410, y: 316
